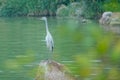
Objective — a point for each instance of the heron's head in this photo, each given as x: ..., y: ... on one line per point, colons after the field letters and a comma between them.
x: 43, y: 18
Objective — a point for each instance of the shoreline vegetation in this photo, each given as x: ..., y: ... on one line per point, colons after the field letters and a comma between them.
x: 91, y: 9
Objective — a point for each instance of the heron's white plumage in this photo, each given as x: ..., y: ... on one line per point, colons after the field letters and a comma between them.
x: 49, y: 41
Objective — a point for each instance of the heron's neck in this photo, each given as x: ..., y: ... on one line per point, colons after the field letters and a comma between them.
x: 46, y: 24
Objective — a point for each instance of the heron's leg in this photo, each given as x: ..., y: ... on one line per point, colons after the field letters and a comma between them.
x: 50, y: 55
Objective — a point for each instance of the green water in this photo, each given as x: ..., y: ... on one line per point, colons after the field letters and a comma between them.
x: 22, y: 44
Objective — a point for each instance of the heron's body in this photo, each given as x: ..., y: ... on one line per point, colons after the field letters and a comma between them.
x: 48, y: 38
x: 49, y: 41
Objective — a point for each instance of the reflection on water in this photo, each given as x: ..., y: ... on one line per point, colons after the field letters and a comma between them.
x: 22, y: 46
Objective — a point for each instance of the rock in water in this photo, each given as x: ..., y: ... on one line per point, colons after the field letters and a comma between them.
x: 51, y: 70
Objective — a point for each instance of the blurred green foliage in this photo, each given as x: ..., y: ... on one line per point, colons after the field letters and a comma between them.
x: 30, y: 7
x: 112, y: 5
x: 101, y: 57
x: 98, y: 56
x: 90, y: 8
x: 13, y: 8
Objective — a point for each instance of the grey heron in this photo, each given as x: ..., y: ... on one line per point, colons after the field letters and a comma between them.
x: 48, y: 38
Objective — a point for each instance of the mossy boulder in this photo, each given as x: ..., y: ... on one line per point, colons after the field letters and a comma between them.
x: 62, y: 11
x: 115, y: 19
x: 73, y: 9
x: 51, y: 70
